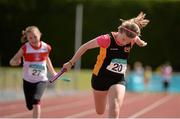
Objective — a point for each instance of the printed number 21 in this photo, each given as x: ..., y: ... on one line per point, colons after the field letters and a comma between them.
x: 117, y: 67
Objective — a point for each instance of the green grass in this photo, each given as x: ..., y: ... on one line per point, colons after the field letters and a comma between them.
x: 80, y: 80
x: 11, y: 79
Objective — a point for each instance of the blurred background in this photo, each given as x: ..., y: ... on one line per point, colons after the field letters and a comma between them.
x: 58, y: 22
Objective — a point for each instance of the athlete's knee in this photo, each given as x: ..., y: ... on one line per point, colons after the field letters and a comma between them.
x: 100, y: 111
x: 29, y: 106
x: 118, y: 103
x: 114, y: 107
x: 36, y: 101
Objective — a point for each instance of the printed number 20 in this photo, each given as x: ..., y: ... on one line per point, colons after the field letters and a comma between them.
x: 117, y: 67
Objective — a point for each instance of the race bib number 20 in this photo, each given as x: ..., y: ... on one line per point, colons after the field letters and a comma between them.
x: 117, y: 66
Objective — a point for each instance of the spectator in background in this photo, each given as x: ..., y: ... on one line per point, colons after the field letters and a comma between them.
x: 138, y: 77
x: 166, y: 73
x: 138, y: 68
x: 147, y: 76
x: 128, y: 75
x: 128, y: 70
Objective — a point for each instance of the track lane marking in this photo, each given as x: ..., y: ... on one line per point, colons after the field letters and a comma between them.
x: 92, y: 110
x: 150, y: 107
x: 71, y: 105
x: 51, y: 108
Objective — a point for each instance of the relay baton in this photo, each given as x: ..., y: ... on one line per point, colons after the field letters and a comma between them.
x: 58, y: 75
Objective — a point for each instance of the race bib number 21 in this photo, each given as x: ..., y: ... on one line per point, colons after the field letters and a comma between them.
x: 117, y: 66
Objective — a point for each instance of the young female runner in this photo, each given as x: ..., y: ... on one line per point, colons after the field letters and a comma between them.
x: 108, y: 78
x: 35, y: 54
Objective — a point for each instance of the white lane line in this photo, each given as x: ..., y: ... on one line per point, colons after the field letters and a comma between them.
x: 131, y: 100
x: 66, y: 106
x: 11, y: 106
x: 150, y: 107
x: 52, y: 108
x: 92, y: 110
x: 18, y: 114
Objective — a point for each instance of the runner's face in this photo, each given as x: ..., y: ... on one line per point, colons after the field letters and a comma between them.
x: 128, y: 39
x: 33, y: 37
x: 126, y: 35
x: 124, y: 39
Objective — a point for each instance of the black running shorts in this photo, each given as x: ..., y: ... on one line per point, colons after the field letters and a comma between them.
x: 105, y: 83
x: 33, y: 92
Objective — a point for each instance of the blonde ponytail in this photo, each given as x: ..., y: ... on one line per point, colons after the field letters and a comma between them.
x: 139, y: 20
x: 23, y: 37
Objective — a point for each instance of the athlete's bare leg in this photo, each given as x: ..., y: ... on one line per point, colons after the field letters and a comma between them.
x: 116, y: 96
x: 36, y: 111
x: 100, y: 99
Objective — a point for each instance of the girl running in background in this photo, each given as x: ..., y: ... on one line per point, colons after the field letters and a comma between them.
x: 35, y: 54
x: 108, y: 78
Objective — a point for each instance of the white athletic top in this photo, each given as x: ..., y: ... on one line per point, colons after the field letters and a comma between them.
x: 34, y: 62
x: 167, y: 72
